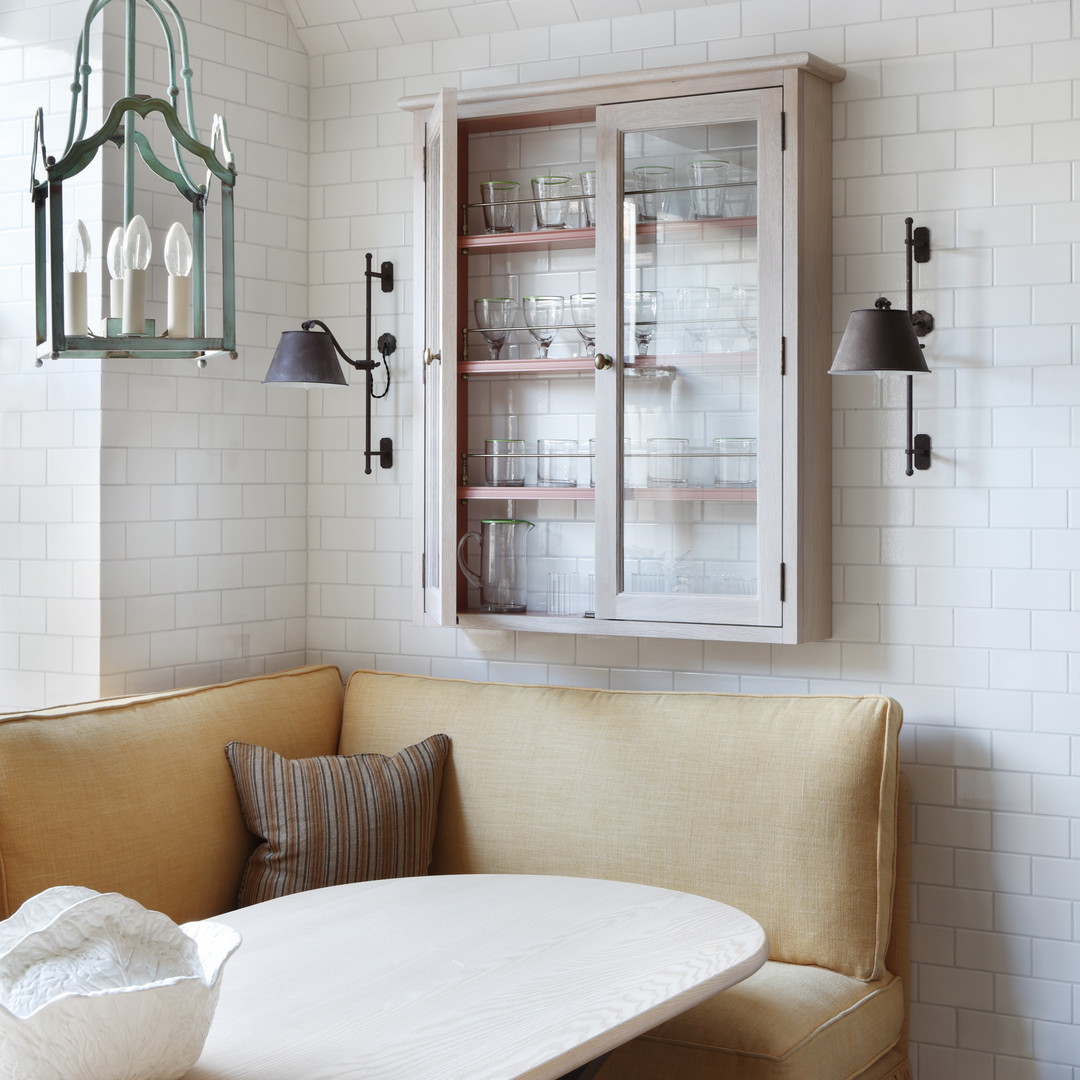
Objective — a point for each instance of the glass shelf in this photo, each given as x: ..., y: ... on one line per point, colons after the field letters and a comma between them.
x: 645, y: 494
x: 477, y: 243
x: 584, y: 365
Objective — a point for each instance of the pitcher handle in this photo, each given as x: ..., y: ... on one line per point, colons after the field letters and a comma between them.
x: 470, y: 577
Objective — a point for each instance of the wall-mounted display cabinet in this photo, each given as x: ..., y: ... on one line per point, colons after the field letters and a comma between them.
x: 623, y: 326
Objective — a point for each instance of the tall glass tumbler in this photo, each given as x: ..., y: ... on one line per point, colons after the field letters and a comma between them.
x: 653, y: 184
x: 706, y: 191
x: 588, y: 192
x: 551, y: 194
x: 499, y: 199
x: 740, y: 199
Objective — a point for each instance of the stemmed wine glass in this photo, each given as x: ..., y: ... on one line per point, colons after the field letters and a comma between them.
x: 543, y: 316
x: 745, y: 297
x: 494, y: 317
x: 697, y: 306
x: 583, y: 310
x: 644, y: 308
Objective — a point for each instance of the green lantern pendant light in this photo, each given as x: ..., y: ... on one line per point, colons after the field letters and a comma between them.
x: 62, y: 329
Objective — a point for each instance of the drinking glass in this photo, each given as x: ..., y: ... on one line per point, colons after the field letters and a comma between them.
x: 645, y: 304
x: 706, y: 194
x: 740, y: 198
x: 745, y: 297
x: 583, y: 312
x: 667, y: 462
x: 555, y: 465
x: 551, y: 193
x: 736, y: 462
x: 499, y: 198
x: 494, y: 317
x: 697, y: 307
x: 543, y: 315
x: 504, y: 463
x: 588, y: 191
x: 653, y: 182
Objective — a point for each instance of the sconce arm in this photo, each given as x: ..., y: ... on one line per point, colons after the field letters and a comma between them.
x: 362, y: 365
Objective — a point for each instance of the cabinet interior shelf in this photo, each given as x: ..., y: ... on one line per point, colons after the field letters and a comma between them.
x: 582, y: 237
x: 581, y: 365
x: 647, y: 494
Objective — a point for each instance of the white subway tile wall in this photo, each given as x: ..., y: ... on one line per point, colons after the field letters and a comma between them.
x: 166, y: 527
x: 154, y: 515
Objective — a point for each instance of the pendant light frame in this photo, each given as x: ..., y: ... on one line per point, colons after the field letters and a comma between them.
x: 120, y: 128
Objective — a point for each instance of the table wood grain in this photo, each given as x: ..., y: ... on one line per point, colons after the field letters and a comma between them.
x: 473, y: 977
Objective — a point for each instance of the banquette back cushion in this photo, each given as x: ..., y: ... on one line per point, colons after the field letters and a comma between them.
x: 782, y: 806
x: 135, y: 795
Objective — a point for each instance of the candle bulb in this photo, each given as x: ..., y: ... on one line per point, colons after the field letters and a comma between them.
x: 137, y: 249
x: 76, y: 258
x: 114, y: 260
x: 178, y: 262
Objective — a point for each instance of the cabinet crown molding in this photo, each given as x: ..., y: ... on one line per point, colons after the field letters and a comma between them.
x: 803, y: 61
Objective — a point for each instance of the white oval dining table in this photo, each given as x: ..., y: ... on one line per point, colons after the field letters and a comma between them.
x: 470, y: 977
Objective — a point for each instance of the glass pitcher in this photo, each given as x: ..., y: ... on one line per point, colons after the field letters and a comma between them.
x: 502, y: 576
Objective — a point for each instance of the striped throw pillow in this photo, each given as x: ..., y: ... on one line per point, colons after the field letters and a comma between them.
x: 333, y: 820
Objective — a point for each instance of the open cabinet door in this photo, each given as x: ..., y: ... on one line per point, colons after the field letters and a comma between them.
x: 435, y: 407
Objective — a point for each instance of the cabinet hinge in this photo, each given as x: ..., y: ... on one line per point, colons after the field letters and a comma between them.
x: 783, y: 130
x: 783, y: 582
x: 783, y: 356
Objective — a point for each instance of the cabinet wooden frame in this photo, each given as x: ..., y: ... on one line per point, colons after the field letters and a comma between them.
x: 802, y: 329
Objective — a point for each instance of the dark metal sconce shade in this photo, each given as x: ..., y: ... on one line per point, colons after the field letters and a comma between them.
x: 879, y: 339
x: 305, y: 357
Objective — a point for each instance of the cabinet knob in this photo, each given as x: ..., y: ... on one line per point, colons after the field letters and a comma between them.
x: 430, y: 356
x: 602, y: 361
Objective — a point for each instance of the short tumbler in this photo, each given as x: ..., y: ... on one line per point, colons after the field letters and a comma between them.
x: 556, y: 465
x: 504, y: 463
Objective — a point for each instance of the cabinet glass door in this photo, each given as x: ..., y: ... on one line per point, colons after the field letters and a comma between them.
x: 437, y: 385
x: 689, y: 428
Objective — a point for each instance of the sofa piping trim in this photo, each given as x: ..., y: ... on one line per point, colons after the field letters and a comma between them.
x: 123, y: 701
x: 793, y: 1049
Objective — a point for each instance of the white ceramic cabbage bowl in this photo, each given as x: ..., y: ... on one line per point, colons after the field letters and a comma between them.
x: 93, y: 986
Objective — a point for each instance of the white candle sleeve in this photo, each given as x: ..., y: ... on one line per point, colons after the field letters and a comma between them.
x: 179, y: 306
x: 75, y: 303
x: 134, y: 301
x: 116, y: 298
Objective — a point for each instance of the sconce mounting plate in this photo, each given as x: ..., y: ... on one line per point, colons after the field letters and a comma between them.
x: 920, y: 452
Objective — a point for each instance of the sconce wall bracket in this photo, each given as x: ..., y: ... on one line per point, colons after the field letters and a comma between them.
x: 308, y: 358
x: 883, y: 340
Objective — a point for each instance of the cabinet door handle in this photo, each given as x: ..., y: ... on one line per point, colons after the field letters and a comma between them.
x: 430, y: 356
x: 602, y: 361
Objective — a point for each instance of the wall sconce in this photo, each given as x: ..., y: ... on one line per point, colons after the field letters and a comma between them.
x: 60, y: 277
x: 308, y: 358
x: 881, y: 339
